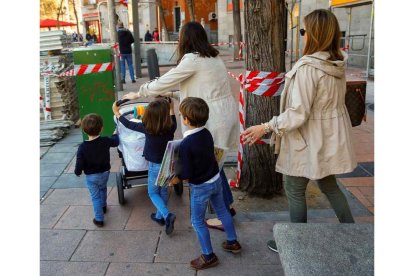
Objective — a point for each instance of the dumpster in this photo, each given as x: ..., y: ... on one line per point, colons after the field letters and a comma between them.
x: 95, y: 83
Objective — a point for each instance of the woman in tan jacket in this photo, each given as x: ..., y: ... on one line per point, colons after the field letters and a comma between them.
x: 312, y: 134
x: 201, y: 73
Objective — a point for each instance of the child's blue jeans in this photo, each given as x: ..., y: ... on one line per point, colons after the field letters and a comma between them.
x: 200, y: 195
x: 158, y: 195
x: 97, y: 189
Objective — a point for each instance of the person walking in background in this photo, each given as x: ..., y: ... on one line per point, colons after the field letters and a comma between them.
x: 93, y: 159
x: 199, y: 167
x: 158, y: 125
x: 125, y: 40
x: 155, y: 35
x: 201, y: 73
x: 312, y: 133
x: 148, y: 36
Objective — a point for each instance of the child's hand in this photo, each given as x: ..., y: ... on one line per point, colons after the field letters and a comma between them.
x: 174, y: 181
x: 115, y: 109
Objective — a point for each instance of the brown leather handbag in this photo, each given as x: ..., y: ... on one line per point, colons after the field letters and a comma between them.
x: 355, y: 101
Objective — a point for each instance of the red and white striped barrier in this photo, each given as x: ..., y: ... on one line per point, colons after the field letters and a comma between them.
x: 260, y: 83
x: 241, y: 43
x: 84, y: 69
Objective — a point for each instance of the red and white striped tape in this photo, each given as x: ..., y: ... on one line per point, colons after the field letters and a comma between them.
x: 241, y: 43
x: 83, y: 69
x: 255, y: 80
x: 265, y: 84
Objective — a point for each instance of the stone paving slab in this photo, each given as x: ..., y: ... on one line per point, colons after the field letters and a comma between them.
x: 59, y: 245
x: 70, y: 180
x: 74, y: 196
x: 253, y: 238
x: 181, y: 247
x: 242, y: 270
x: 43, y: 151
x: 59, y: 268
x: 46, y: 182
x: 80, y: 217
x: 57, y: 157
x: 50, y: 214
x: 117, y: 246
x: 138, y: 269
x: 72, y: 138
x: 304, y: 248
x: 67, y: 147
x: 133, y: 197
x: 47, y: 169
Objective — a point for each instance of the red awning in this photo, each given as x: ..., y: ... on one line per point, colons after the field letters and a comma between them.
x: 47, y: 23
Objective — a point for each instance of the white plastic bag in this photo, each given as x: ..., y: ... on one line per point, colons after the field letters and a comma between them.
x: 131, y: 144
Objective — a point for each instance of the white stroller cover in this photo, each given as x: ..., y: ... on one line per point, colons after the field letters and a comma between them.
x: 131, y: 144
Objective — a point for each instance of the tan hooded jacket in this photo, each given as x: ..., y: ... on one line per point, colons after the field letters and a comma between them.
x: 314, y: 123
x: 204, y: 78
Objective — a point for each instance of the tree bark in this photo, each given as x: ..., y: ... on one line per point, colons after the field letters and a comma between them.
x: 236, y: 28
x: 58, y: 14
x: 76, y: 17
x: 190, y: 5
x: 264, y: 52
x: 163, y: 24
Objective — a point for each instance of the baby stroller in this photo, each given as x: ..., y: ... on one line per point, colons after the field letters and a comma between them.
x: 131, y: 146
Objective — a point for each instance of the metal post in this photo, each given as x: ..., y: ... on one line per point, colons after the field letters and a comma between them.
x: 47, y: 109
x: 137, y: 43
x: 370, y: 38
x: 114, y: 39
x: 349, y: 33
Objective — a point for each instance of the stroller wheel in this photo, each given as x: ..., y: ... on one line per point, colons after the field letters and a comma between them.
x: 120, y: 187
x: 178, y: 189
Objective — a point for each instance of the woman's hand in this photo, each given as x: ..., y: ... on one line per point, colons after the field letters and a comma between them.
x: 171, y: 107
x: 253, y: 134
x: 130, y: 96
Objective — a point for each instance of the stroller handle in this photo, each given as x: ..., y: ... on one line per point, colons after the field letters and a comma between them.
x: 119, y: 102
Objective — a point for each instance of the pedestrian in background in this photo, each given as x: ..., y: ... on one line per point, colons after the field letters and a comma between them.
x: 155, y: 35
x: 148, y: 36
x: 312, y: 133
x: 93, y: 159
x: 201, y: 73
x: 125, y: 40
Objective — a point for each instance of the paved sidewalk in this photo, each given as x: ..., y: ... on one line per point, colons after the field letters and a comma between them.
x: 132, y: 244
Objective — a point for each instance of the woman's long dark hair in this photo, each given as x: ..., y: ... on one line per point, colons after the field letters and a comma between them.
x: 193, y: 38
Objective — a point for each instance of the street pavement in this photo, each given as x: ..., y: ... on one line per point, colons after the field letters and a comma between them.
x: 130, y: 243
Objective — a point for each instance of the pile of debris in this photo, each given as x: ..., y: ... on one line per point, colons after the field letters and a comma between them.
x: 59, y: 109
x: 52, y: 131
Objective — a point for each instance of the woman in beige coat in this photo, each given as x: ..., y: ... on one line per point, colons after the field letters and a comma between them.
x: 312, y: 134
x: 201, y: 73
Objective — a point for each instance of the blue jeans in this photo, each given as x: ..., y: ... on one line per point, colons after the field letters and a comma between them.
x: 200, y: 195
x: 127, y: 58
x: 227, y: 195
x: 97, y: 189
x: 158, y: 195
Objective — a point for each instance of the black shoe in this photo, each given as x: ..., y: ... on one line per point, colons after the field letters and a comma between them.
x: 134, y: 81
x: 98, y: 223
x: 232, y: 212
x: 160, y: 221
x: 169, y: 223
x: 272, y: 246
x: 123, y: 81
x: 104, y: 209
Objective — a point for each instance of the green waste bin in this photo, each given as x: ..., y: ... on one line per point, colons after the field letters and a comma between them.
x: 96, y: 91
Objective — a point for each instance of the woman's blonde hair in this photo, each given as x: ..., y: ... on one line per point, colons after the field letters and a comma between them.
x: 323, y: 34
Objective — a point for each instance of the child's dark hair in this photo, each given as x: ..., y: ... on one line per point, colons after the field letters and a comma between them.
x: 92, y: 124
x: 195, y: 110
x: 157, y: 119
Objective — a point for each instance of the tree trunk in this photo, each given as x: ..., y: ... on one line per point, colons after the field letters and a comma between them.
x: 58, y: 14
x: 77, y: 20
x: 264, y: 52
x: 190, y: 5
x: 162, y: 17
x: 236, y: 28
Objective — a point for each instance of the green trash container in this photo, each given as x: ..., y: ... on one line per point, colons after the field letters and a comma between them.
x: 96, y: 91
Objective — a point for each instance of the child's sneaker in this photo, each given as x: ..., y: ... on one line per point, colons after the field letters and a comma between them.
x: 234, y: 247
x: 169, y: 223
x: 98, y: 223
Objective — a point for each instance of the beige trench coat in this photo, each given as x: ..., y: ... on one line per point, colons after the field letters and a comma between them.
x: 204, y: 78
x: 314, y: 122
